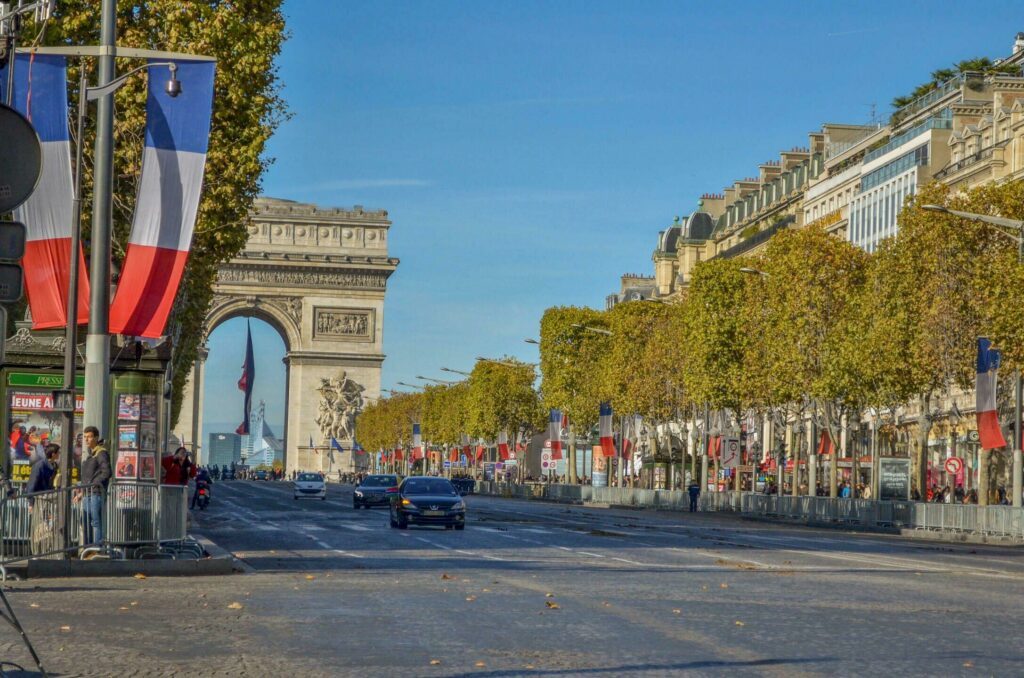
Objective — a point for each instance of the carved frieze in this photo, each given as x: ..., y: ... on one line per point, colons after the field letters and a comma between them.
x: 303, y: 278
x: 343, y: 324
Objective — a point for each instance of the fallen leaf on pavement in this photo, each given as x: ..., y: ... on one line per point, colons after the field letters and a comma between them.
x: 447, y: 576
x: 739, y: 623
x: 471, y: 598
x: 968, y: 664
x: 310, y: 577
x: 677, y: 611
x: 65, y: 628
x: 487, y: 590
x: 724, y: 586
x: 549, y: 595
x: 134, y: 603
x: 33, y: 604
x: 552, y: 605
x: 435, y: 662
x: 235, y: 606
x: 703, y: 588
x: 527, y: 666
x: 139, y: 575
x: 444, y: 590
x: 607, y: 604
x: 480, y: 665
x: 123, y: 608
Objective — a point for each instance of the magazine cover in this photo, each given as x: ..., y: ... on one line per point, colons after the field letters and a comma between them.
x: 128, y: 436
x: 147, y: 436
x: 127, y: 464
x: 147, y: 466
x: 147, y: 407
x: 128, y: 407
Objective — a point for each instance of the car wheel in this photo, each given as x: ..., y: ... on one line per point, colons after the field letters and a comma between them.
x: 460, y: 526
x: 323, y: 497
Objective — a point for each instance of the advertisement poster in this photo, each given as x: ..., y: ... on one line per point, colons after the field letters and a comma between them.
x: 32, y: 424
x: 127, y: 464
x: 147, y: 407
x: 894, y: 478
x: 147, y: 466
x: 128, y: 407
x: 147, y: 436
x: 127, y: 436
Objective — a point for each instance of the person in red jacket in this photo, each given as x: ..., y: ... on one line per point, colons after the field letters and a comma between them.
x: 173, y: 471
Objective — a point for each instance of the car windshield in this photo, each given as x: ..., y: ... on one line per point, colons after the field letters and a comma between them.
x: 308, y: 476
x: 428, y: 486
x: 379, y: 481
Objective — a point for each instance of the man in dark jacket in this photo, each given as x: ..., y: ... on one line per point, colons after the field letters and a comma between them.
x: 95, y: 475
x: 43, y: 472
x: 694, y: 492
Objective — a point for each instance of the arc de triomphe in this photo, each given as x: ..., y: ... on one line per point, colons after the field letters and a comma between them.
x: 318, y: 276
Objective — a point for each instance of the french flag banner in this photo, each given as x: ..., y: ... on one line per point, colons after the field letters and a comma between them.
x: 417, y: 443
x: 990, y: 434
x: 41, y: 95
x: 605, y: 428
x: 555, y: 434
x: 503, y: 446
x: 173, y: 161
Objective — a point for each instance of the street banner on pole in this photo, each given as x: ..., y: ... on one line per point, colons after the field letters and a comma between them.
x: 41, y: 95
x: 173, y: 162
x: 246, y: 381
x: 555, y: 434
x: 605, y: 426
x: 985, y: 393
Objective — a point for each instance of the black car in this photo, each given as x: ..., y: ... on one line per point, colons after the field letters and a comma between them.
x: 374, y: 491
x: 427, y: 501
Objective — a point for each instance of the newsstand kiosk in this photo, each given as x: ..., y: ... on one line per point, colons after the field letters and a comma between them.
x: 139, y: 412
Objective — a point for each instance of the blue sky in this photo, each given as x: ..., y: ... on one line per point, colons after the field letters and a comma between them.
x: 529, y: 152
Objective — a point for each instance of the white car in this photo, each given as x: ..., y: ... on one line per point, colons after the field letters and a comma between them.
x: 310, y: 485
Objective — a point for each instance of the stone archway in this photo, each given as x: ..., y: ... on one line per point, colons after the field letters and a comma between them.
x: 318, y: 276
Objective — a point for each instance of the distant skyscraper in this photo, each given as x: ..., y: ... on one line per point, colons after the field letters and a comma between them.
x: 262, y: 447
x: 224, y: 449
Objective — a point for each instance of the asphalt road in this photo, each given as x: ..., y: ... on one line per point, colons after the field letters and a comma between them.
x: 535, y: 589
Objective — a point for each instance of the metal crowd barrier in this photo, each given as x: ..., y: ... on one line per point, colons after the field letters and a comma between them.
x: 139, y: 520
x: 994, y: 521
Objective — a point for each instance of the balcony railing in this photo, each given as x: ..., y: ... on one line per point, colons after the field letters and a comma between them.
x: 983, y: 154
x: 899, y: 140
x: 756, y: 239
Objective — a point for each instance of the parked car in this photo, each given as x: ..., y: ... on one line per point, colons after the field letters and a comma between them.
x: 310, y: 485
x: 425, y: 500
x: 374, y: 490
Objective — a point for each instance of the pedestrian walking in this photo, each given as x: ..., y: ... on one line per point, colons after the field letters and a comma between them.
x: 95, y: 476
x: 694, y: 491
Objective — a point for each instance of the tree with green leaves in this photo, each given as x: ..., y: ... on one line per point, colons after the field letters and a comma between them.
x: 571, y: 358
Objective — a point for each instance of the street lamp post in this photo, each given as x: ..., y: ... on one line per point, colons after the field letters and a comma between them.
x: 448, y: 369
x: 1017, y: 234
x: 443, y: 382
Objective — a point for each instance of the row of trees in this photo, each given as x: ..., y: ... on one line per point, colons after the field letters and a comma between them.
x: 811, y: 327
x: 498, y: 396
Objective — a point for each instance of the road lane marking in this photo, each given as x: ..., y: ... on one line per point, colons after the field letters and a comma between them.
x: 588, y: 553
x: 346, y: 553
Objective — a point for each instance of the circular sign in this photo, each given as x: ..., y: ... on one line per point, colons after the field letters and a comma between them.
x: 22, y: 159
x: 954, y: 465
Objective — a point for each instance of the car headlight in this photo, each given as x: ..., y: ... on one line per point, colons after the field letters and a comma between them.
x: 458, y: 506
x: 358, y: 493
x: 408, y: 504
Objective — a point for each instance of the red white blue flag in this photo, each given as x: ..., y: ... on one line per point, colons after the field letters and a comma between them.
x: 417, y: 443
x: 555, y: 433
x: 605, y: 428
x: 173, y: 162
x: 41, y: 95
x: 990, y: 434
x: 503, y: 452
